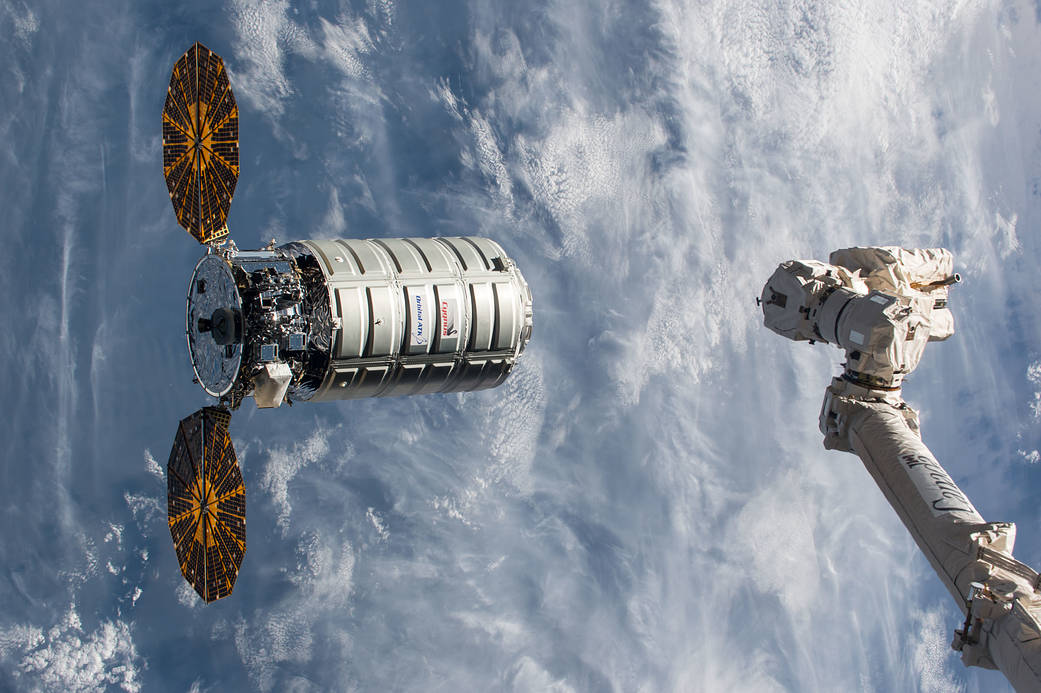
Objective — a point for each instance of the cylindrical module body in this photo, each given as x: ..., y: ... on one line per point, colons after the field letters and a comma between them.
x: 419, y: 315
x: 341, y: 319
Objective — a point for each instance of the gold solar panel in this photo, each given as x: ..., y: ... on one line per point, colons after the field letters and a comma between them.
x: 201, y: 143
x: 206, y: 503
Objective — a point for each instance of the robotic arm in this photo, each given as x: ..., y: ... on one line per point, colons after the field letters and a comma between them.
x: 882, y: 306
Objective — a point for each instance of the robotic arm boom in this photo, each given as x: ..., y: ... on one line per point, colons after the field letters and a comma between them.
x: 882, y: 306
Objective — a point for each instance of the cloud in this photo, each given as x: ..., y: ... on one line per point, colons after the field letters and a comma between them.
x: 345, y: 43
x: 932, y: 654
x: 25, y: 22
x: 265, y: 35
x: 378, y: 523
x: 271, y: 641
x: 1034, y: 377
x: 482, y: 151
x: 284, y: 464
x: 153, y: 468
x: 512, y: 424
x: 187, y: 596
x: 290, y: 633
x: 67, y: 659
x: 146, y: 509
x: 575, y: 169
x: 334, y: 225
x: 529, y: 676
x: 773, y: 536
x: 646, y: 496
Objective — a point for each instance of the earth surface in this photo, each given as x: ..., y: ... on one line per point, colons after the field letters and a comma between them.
x: 645, y: 505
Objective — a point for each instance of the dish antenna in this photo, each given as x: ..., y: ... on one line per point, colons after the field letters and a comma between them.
x: 307, y: 321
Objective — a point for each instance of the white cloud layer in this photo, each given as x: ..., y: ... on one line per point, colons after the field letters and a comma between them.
x: 66, y: 658
x: 645, y: 504
x: 283, y: 465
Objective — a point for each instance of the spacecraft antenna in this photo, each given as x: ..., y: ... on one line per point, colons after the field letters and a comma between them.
x: 311, y: 320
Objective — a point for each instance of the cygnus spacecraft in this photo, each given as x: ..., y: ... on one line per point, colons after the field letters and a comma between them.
x: 307, y: 321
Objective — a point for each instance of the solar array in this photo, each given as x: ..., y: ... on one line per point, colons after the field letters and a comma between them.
x: 206, y: 503
x: 201, y: 143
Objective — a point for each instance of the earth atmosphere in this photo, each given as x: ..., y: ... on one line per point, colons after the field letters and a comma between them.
x: 645, y: 505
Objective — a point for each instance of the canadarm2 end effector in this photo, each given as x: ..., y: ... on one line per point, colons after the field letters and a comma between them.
x: 879, y: 311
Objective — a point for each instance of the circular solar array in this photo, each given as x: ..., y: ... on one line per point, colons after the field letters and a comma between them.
x: 201, y: 143
x: 206, y: 503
